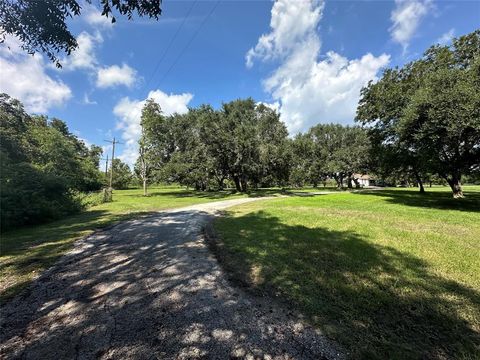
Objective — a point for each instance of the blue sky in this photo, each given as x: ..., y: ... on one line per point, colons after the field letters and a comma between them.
x: 308, y: 59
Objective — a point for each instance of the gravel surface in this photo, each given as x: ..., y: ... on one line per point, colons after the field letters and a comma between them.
x: 150, y: 289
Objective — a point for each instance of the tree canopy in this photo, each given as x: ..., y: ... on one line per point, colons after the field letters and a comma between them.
x: 426, y: 115
x: 245, y: 143
x: 41, y: 25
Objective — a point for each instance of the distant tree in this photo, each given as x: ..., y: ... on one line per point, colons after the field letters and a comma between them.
x: 41, y: 25
x: 244, y: 142
x: 213, y: 135
x: 240, y: 141
x: 430, y: 109
x: 151, y: 114
x: 338, y: 152
x: 274, y: 147
x: 122, y: 175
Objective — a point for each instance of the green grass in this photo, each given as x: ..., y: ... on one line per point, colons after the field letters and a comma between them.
x: 390, y: 274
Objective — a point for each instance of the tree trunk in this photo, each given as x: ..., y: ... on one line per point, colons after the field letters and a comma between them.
x: 236, y: 180
x: 243, y: 182
x: 456, y: 187
x: 144, y: 186
x: 419, y: 182
x: 339, y: 180
x: 349, y: 181
x: 357, y: 184
x: 220, y: 183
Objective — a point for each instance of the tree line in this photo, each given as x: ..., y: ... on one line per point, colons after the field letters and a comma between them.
x: 421, y: 121
x: 418, y: 122
x: 247, y: 145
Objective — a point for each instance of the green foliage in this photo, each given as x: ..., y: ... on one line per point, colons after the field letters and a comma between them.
x: 246, y: 145
x: 146, y: 162
x: 243, y: 142
x: 426, y: 116
x: 31, y: 196
x: 329, y: 151
x: 43, y: 167
x: 122, y: 175
x: 41, y: 26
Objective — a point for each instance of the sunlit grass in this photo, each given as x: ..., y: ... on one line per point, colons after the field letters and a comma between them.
x: 389, y: 274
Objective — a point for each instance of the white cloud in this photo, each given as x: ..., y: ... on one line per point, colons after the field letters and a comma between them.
x: 129, y: 113
x: 446, y: 38
x: 83, y: 57
x: 24, y: 77
x: 87, y: 101
x: 291, y: 22
x: 310, y: 91
x: 94, y: 18
x: 116, y: 75
x: 406, y: 17
x: 274, y: 106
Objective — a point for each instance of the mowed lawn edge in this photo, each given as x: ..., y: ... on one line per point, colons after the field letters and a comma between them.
x: 389, y: 274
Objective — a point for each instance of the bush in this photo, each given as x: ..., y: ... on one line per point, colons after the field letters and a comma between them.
x: 29, y: 196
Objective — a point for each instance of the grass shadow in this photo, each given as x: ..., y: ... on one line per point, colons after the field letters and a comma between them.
x: 436, y: 199
x: 379, y: 302
x: 224, y: 194
x: 24, y: 257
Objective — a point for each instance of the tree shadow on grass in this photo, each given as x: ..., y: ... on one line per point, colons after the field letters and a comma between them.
x: 213, y: 195
x: 377, y: 301
x: 435, y: 199
x: 188, y: 194
x: 30, y: 250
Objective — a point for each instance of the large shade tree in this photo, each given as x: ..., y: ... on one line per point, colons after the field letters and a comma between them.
x: 430, y: 110
x: 243, y: 142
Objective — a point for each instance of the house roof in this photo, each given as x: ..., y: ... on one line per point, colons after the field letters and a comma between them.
x: 363, y: 176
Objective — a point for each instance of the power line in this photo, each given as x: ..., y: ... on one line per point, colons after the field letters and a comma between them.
x: 166, y: 50
x: 173, y: 64
x: 170, y: 44
x: 188, y: 44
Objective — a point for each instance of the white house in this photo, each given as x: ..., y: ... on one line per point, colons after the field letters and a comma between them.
x: 364, y: 180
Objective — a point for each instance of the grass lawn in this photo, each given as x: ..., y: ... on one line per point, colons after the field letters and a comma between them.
x: 389, y: 274
x: 26, y: 252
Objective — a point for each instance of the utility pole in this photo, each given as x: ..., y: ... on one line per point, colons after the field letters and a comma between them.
x: 113, y: 158
x: 106, y: 167
x: 113, y: 142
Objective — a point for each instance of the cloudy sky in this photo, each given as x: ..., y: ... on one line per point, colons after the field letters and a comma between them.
x: 309, y: 59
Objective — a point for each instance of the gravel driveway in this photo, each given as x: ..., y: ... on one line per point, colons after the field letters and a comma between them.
x: 150, y: 289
